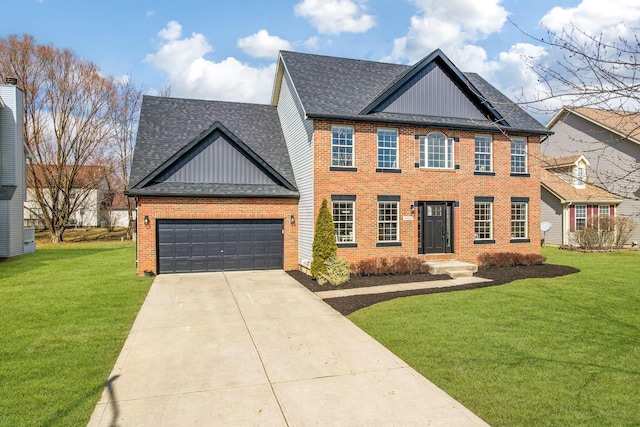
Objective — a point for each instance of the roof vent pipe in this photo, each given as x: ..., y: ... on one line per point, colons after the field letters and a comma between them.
x: 11, y: 81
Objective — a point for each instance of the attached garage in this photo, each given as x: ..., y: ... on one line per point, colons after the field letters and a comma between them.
x: 189, y: 246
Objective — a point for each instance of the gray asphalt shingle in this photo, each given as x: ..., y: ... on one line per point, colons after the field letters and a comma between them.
x: 332, y: 87
x: 168, y: 124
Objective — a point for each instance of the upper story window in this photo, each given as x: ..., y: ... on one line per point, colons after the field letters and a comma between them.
x: 580, y: 176
x: 483, y: 153
x: 436, y: 151
x: 519, y: 155
x: 387, y: 149
x: 342, y: 146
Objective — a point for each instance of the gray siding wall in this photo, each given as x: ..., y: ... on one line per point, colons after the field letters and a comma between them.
x: 443, y: 98
x: 12, y: 171
x: 298, y: 132
x: 614, y: 161
x: 216, y: 161
x: 551, y: 211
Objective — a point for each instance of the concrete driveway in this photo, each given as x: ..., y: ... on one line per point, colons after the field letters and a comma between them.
x: 259, y: 349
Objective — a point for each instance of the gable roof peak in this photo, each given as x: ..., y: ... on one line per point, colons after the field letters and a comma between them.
x: 438, y: 57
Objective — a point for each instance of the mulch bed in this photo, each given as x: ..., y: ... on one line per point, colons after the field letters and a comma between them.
x: 498, y: 275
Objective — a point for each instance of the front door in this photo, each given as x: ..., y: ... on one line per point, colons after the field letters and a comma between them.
x: 436, y: 227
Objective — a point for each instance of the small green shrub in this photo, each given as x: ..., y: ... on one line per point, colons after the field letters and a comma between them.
x: 389, y: 266
x: 509, y: 259
x: 324, y: 241
x: 337, y: 271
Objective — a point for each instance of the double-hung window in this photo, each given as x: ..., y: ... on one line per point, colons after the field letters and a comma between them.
x: 604, y: 220
x: 342, y: 146
x: 343, y: 220
x: 518, y: 155
x: 436, y: 151
x: 483, y: 219
x: 482, y: 153
x: 519, y: 218
x: 388, y: 218
x: 580, y: 216
x: 387, y: 149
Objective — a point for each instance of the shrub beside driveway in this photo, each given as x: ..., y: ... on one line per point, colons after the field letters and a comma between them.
x: 65, y: 312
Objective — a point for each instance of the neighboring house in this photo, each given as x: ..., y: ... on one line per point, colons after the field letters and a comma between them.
x: 422, y: 161
x: 569, y: 201
x: 14, y: 238
x: 114, y: 211
x: 610, y: 141
x: 90, y: 186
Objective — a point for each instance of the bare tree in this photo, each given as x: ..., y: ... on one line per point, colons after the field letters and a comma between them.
x: 68, y: 106
x: 586, y: 70
x: 125, y: 117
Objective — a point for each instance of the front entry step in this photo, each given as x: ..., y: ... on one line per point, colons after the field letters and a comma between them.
x: 452, y: 268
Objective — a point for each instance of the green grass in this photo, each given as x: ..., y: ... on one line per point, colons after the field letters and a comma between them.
x: 536, y: 352
x: 65, y: 312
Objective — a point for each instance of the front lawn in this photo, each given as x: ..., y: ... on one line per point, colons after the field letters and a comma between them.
x: 535, y: 352
x: 65, y: 312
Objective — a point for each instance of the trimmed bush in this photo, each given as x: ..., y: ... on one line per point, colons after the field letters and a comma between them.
x: 389, y: 266
x: 324, y: 241
x: 337, y: 271
x: 510, y: 259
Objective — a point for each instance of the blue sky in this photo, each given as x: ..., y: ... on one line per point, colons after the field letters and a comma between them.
x: 227, y: 49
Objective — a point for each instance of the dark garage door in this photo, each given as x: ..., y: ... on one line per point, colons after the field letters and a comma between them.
x: 187, y: 246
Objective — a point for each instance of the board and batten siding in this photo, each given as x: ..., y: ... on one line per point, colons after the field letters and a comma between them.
x: 445, y: 98
x: 611, y: 159
x: 12, y: 171
x: 551, y: 211
x: 298, y: 133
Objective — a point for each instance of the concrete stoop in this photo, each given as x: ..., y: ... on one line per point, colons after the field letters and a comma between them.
x: 453, y: 268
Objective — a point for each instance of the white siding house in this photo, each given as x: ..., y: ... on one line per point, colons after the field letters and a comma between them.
x: 14, y: 239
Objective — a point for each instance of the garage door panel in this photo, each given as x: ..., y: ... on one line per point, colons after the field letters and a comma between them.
x: 219, y: 245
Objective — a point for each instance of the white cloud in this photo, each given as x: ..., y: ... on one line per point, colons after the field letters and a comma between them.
x: 336, y: 16
x: 448, y: 25
x: 263, y: 45
x: 312, y: 43
x: 172, y: 31
x: 612, y: 19
x: 194, y: 76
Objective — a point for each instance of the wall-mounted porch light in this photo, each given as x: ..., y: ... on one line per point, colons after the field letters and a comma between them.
x: 292, y: 220
x: 146, y: 220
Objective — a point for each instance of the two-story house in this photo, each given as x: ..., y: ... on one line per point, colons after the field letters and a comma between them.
x: 610, y: 142
x: 569, y: 201
x: 422, y: 161
x: 86, y: 197
x: 14, y: 239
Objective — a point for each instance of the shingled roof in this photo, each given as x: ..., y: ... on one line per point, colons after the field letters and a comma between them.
x: 568, y: 193
x: 341, y: 88
x: 168, y: 125
x: 624, y: 123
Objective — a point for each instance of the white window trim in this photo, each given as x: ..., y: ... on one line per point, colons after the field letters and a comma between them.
x: 475, y: 221
x: 397, y: 149
x: 449, y: 144
x: 353, y: 221
x: 475, y: 166
x: 353, y: 145
x: 575, y: 219
x: 397, y: 222
x: 580, y: 176
x: 525, y: 221
x: 525, y: 155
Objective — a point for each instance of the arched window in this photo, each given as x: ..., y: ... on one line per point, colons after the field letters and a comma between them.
x: 436, y: 151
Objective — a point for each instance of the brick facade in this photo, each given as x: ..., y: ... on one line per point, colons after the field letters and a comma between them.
x: 459, y: 185
x: 212, y: 208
